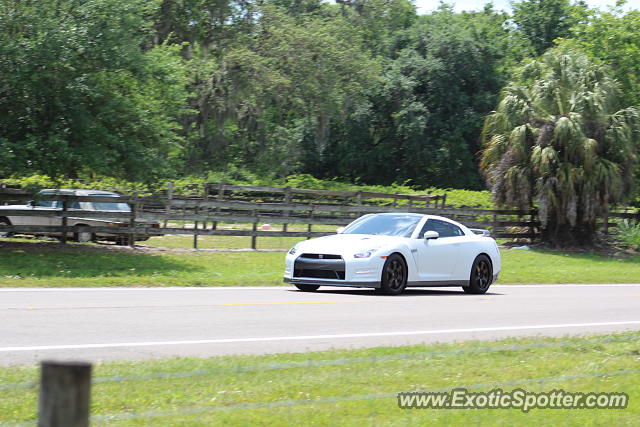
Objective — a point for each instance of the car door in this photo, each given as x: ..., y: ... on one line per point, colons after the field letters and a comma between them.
x: 436, y: 258
x: 40, y: 206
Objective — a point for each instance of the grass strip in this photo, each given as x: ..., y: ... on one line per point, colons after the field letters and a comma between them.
x: 44, y: 264
x: 320, y: 388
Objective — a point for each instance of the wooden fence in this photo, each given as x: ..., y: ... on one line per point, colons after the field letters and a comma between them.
x: 201, y: 215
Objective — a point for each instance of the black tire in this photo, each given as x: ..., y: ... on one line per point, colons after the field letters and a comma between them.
x: 122, y: 241
x: 481, y: 276
x: 5, y: 221
x: 83, y: 236
x: 394, y: 276
x: 307, y: 288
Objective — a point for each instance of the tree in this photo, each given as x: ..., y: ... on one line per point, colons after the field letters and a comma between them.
x: 423, y: 118
x: 268, y: 105
x: 614, y: 38
x: 557, y: 139
x: 80, y: 94
x: 543, y: 21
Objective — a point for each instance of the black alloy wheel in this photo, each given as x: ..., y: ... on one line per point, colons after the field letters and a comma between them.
x: 481, y: 276
x: 394, y: 276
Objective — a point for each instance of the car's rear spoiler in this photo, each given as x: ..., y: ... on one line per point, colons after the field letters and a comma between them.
x: 482, y: 231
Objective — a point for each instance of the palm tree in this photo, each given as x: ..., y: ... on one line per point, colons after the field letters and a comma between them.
x: 557, y: 139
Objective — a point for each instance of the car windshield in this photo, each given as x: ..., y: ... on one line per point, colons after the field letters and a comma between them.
x: 384, y: 225
x: 106, y: 206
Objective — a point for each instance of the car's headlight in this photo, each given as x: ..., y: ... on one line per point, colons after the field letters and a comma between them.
x: 365, y: 254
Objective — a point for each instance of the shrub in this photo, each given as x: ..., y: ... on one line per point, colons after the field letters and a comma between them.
x: 629, y: 234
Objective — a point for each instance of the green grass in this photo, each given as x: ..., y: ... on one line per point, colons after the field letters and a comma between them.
x: 547, y: 266
x: 27, y: 263
x: 30, y: 264
x: 236, y: 242
x: 331, y: 388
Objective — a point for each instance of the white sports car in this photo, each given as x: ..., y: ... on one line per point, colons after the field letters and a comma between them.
x: 391, y: 251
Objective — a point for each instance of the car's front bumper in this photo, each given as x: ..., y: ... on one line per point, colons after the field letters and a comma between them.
x: 320, y: 282
x: 345, y: 271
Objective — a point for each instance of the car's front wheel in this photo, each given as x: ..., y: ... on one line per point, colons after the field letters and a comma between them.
x: 307, y: 288
x: 394, y: 276
x: 4, y: 221
x: 83, y: 236
x: 481, y: 276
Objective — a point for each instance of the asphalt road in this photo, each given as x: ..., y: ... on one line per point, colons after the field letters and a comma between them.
x: 136, y: 324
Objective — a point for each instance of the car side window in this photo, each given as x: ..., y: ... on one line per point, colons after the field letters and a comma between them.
x: 48, y: 203
x: 74, y: 205
x: 444, y: 229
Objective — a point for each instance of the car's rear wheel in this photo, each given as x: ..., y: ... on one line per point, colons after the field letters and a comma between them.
x: 481, y: 276
x: 394, y: 276
x: 4, y: 221
x: 307, y: 288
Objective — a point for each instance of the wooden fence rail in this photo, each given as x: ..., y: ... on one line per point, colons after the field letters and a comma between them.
x: 163, y: 214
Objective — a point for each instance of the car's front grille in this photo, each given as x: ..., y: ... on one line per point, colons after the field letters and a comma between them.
x: 319, y: 266
x: 319, y: 274
x: 320, y: 256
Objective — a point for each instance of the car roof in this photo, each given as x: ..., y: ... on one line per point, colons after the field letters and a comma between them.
x: 76, y: 191
x: 416, y: 215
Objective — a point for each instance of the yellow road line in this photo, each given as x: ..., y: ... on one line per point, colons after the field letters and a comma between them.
x: 287, y: 302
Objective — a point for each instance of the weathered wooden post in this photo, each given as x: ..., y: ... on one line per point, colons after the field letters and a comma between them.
x: 532, y: 230
x: 65, y: 209
x: 195, y: 227
x: 132, y: 220
x: 254, y: 238
x: 65, y: 390
x: 310, y: 219
x: 287, y: 200
x: 206, y: 208
x: 168, y: 205
x: 214, y: 225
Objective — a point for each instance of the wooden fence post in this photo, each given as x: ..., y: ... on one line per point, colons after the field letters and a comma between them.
x: 254, y: 238
x: 214, y: 225
x: 168, y: 205
x: 606, y: 222
x: 309, y: 225
x: 444, y: 200
x: 65, y: 389
x: 287, y: 200
x: 532, y: 231
x: 132, y: 220
x: 195, y: 227
x: 206, y: 198
x: 65, y: 209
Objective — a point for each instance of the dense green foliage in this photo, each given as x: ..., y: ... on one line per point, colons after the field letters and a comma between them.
x: 365, y: 91
x: 78, y: 94
x: 559, y: 139
x: 195, y: 186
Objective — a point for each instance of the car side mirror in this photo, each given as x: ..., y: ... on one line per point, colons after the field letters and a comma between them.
x: 339, y: 230
x: 429, y: 235
x: 31, y: 203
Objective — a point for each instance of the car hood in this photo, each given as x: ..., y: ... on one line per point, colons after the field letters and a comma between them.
x: 346, y: 244
x: 14, y: 207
